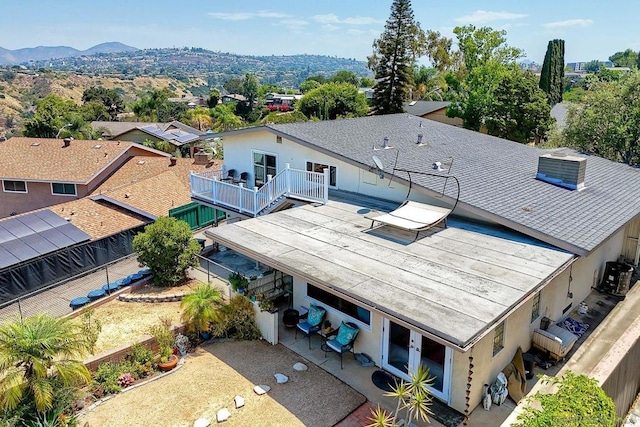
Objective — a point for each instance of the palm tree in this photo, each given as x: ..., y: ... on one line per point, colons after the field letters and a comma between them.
x: 35, y: 353
x: 202, y: 307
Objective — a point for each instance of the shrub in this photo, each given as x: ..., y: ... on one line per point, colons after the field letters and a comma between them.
x: 106, y: 377
x: 238, y: 320
x: 125, y: 380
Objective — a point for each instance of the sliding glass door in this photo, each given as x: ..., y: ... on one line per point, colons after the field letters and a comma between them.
x: 404, y: 350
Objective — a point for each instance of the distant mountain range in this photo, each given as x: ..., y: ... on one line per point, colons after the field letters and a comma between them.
x: 42, y: 53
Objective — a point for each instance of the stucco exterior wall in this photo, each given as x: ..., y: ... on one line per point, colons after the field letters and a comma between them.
x: 441, y: 116
x: 136, y: 135
x: 38, y: 196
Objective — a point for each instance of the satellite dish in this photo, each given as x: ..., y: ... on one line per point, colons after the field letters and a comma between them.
x: 379, y: 166
x: 378, y: 162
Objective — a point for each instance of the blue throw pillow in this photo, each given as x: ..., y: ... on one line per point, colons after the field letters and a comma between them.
x: 316, y: 314
x: 346, y: 334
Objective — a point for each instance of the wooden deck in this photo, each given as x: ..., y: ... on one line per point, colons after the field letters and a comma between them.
x: 471, y: 278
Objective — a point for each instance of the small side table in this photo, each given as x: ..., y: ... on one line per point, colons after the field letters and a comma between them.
x: 325, y: 336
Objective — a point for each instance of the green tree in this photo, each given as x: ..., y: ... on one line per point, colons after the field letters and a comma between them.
x: 279, y: 118
x: 250, y: 89
x: 486, y: 58
x: 592, y: 66
x: 607, y: 123
x: 38, y: 354
x: 214, y: 98
x: 233, y: 85
x: 110, y: 98
x: 168, y: 249
x: 224, y: 118
x: 520, y: 111
x: 578, y: 402
x: 394, y: 55
x: 552, y: 75
x: 153, y: 104
x: 308, y: 85
x: 346, y: 77
x: 440, y: 52
x: 333, y: 100
x: 628, y: 58
x: 52, y: 113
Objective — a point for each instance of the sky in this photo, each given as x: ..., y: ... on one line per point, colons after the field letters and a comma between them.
x: 592, y: 29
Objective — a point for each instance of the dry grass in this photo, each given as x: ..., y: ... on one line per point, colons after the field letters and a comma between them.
x: 124, y: 323
x: 213, y: 375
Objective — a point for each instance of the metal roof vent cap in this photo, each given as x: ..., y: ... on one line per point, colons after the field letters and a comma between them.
x: 563, y: 170
x: 173, y: 160
x: 67, y: 142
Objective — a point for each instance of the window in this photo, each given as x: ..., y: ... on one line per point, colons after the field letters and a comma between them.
x: 344, y: 306
x: 263, y: 165
x: 319, y: 167
x: 535, y: 309
x: 15, y: 186
x: 64, y: 189
x: 498, y: 338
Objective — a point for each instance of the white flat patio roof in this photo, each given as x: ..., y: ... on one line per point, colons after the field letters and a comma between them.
x: 454, y: 284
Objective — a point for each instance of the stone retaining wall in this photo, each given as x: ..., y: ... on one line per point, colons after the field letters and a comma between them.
x: 151, y: 298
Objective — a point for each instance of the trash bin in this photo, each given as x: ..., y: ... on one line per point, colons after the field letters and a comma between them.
x: 529, y: 363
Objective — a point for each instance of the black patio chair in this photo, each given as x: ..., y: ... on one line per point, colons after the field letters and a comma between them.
x: 231, y: 176
x: 242, y: 179
x: 313, y: 322
x: 343, y: 342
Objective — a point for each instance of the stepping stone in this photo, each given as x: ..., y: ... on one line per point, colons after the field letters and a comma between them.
x: 281, y: 378
x: 223, y: 415
x: 300, y: 367
x: 239, y: 401
x: 202, y: 422
x: 261, y: 389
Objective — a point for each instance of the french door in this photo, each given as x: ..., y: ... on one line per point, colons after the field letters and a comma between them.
x: 404, y: 350
x: 263, y: 165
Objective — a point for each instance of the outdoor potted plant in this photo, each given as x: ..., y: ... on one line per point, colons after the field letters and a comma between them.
x: 165, y: 339
x: 238, y: 282
x: 200, y: 308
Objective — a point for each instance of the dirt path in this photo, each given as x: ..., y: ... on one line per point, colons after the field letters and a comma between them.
x: 213, y: 376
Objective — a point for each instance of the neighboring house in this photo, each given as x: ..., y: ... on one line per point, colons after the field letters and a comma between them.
x: 46, y: 245
x: 40, y: 172
x: 176, y: 133
x: 233, y: 97
x: 278, y: 99
x: 531, y: 234
x: 367, y: 91
x: 432, y: 110
x: 559, y: 112
x: 191, y: 101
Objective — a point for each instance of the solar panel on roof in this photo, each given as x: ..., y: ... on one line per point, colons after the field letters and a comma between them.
x: 50, y: 218
x: 5, y: 235
x: 20, y: 250
x: 35, y: 223
x: 74, y: 233
x: 35, y: 234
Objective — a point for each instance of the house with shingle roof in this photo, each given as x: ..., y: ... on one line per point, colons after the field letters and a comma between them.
x: 40, y: 172
x: 528, y: 235
x: 432, y: 110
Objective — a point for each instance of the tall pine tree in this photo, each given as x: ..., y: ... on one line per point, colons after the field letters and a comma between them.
x: 552, y: 75
x: 394, y: 55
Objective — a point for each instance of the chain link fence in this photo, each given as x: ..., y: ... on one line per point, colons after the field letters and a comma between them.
x: 54, y: 299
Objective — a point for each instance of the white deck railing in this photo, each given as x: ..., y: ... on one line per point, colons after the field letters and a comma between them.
x: 292, y: 183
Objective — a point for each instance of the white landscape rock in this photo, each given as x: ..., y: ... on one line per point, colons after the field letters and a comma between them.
x: 300, y: 367
x: 261, y: 389
x: 239, y: 401
x: 281, y: 378
x: 223, y: 415
x: 202, y: 422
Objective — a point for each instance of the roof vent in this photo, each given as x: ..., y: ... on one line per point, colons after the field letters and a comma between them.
x: 35, y: 144
x: 140, y: 162
x: 173, y: 161
x: 563, y: 170
x: 201, y: 158
x: 419, y: 141
x: 67, y: 142
x: 97, y: 146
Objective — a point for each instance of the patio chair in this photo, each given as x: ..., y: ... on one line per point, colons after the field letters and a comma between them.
x: 231, y: 176
x: 344, y: 341
x: 242, y: 179
x: 313, y: 323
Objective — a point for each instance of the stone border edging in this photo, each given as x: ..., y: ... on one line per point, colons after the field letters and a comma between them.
x: 100, y: 401
x: 151, y: 298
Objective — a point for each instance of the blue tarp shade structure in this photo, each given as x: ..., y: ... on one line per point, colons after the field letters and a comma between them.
x: 30, y: 236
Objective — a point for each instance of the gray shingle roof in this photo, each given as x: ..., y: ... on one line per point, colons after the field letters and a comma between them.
x: 497, y: 177
x: 420, y: 108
